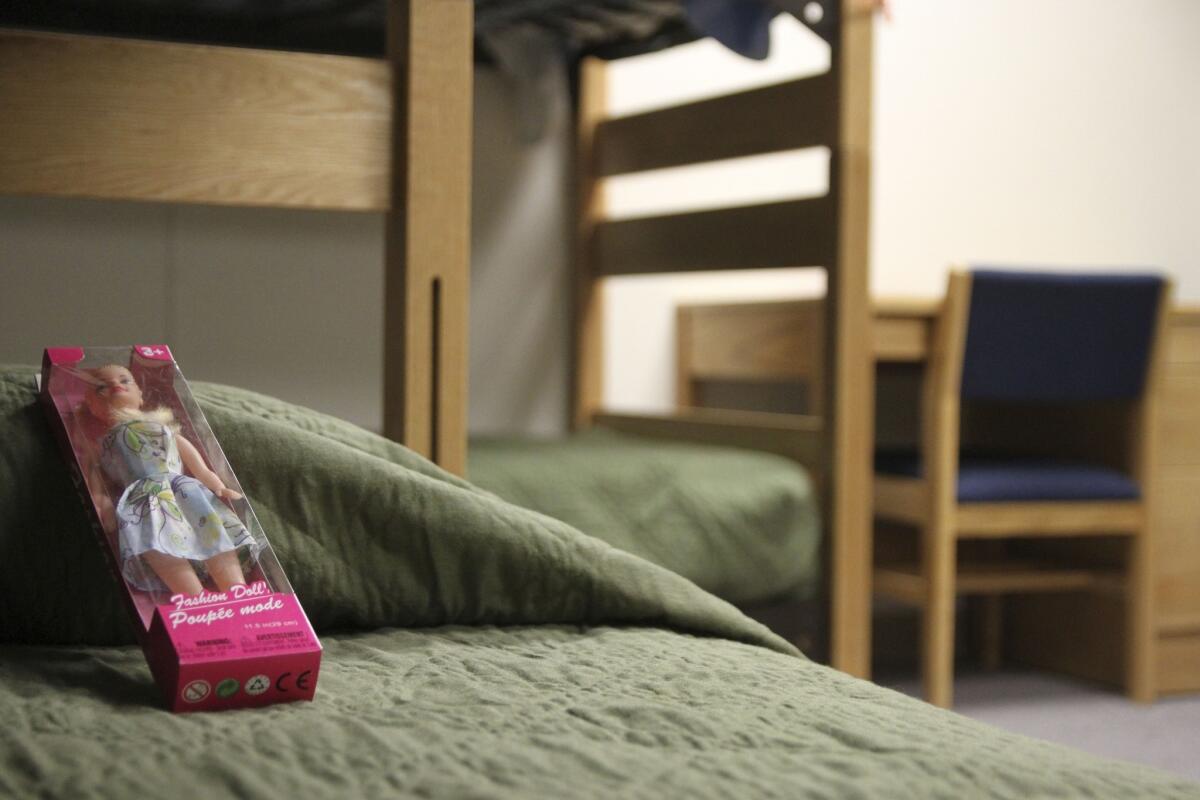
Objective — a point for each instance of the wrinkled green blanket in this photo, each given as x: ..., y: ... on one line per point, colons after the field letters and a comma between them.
x: 740, y: 524
x: 600, y: 704
x: 369, y: 534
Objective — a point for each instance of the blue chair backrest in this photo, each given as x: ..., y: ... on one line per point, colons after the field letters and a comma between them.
x: 1054, y: 337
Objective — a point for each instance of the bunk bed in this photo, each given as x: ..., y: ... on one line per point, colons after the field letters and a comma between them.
x: 308, y: 104
x: 344, y: 129
x: 829, y: 110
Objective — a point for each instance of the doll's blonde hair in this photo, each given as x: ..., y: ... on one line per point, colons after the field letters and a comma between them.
x: 162, y: 415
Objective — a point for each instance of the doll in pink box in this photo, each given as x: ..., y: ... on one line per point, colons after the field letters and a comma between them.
x: 168, y: 523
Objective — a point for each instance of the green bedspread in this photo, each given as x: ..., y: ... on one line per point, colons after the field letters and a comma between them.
x: 369, y: 533
x: 609, y: 676
x: 742, y: 525
x: 545, y: 711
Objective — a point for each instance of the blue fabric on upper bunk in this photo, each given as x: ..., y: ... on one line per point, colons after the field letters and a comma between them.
x: 742, y: 27
x: 997, y: 479
x: 1046, y: 337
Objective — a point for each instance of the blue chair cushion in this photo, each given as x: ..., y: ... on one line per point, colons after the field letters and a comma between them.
x: 1052, y: 337
x: 994, y: 479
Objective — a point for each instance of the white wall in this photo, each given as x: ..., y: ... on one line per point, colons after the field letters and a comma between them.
x: 1024, y: 131
x: 1059, y: 134
x: 284, y: 302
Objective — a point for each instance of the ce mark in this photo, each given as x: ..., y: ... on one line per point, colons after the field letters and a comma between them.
x: 300, y: 683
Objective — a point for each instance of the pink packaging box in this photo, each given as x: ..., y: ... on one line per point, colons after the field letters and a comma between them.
x: 214, y: 612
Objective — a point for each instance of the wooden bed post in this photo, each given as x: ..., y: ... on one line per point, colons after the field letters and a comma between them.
x: 427, y: 250
x: 851, y: 392
x: 587, y: 384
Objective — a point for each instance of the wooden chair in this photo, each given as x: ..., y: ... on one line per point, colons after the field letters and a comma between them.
x: 1031, y: 344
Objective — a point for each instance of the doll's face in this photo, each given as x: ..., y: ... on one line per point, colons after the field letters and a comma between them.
x: 113, y: 388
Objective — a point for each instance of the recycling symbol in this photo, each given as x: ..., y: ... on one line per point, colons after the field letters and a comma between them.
x: 257, y: 684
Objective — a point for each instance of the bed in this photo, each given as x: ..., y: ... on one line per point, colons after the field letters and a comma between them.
x: 312, y: 104
x: 829, y: 233
x: 473, y: 648
x: 345, y: 105
x: 342, y: 129
x: 740, y: 524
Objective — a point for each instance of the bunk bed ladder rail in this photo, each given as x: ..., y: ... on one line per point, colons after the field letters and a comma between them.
x: 832, y: 110
x: 427, y: 239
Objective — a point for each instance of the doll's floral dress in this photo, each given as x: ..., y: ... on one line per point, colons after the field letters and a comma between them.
x: 161, y: 508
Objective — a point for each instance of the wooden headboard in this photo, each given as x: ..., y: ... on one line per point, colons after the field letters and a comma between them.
x: 768, y: 346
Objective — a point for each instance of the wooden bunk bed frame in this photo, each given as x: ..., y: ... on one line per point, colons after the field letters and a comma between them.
x: 108, y: 118
x: 833, y: 110
x: 120, y: 119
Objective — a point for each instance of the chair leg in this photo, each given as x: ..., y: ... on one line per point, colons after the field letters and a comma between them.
x: 938, y: 635
x: 989, y: 624
x: 1141, y: 636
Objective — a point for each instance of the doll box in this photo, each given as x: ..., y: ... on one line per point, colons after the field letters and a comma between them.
x: 246, y: 647
x: 216, y: 617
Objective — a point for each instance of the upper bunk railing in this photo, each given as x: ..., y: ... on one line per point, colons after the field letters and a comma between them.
x: 790, y: 233
x: 783, y: 116
x: 90, y: 116
x: 792, y: 115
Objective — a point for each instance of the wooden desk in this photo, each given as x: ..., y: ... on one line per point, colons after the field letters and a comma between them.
x: 779, y: 342
x: 900, y: 328
x: 901, y: 333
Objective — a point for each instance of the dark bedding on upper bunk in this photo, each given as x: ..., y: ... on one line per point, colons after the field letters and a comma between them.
x: 609, y: 28
x: 740, y: 524
x: 609, y: 676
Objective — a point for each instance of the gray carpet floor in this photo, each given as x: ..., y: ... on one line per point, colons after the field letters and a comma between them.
x: 1165, y: 734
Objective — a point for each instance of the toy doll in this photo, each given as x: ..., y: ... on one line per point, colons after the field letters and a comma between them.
x: 166, y: 520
